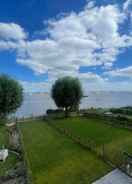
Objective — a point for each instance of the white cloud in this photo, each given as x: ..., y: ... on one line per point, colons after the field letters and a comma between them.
x: 124, y: 72
x: 11, y: 31
x: 83, y: 77
x: 90, y: 82
x: 127, y: 7
x: 36, y: 86
x: 83, y: 39
x: 12, y: 36
x: 89, y: 77
x: 89, y: 38
x: 90, y: 4
x: 127, y: 4
x: 6, y: 45
x: 107, y: 86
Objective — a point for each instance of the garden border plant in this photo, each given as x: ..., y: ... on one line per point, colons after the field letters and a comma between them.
x: 29, y: 179
x: 18, y: 172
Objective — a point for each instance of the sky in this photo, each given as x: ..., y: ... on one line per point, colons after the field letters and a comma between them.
x: 43, y: 40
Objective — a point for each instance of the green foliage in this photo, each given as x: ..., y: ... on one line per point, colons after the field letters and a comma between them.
x: 11, y: 160
x: 67, y: 93
x: 122, y: 110
x: 11, y: 95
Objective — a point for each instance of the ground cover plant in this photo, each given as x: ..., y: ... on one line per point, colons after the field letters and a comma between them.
x: 11, y: 160
x: 53, y: 158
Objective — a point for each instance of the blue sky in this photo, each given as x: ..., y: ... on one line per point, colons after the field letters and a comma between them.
x: 42, y: 40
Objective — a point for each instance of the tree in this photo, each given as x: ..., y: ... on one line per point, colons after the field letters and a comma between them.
x: 67, y: 93
x: 11, y: 95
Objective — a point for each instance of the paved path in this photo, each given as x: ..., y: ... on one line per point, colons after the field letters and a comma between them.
x: 115, y: 177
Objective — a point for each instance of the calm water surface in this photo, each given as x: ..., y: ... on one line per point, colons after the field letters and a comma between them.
x: 36, y: 104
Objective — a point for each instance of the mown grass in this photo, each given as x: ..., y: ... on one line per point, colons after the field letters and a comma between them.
x: 11, y: 161
x: 115, y: 139
x: 55, y: 159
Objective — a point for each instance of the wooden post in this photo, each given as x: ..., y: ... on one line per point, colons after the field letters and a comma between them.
x: 103, y: 151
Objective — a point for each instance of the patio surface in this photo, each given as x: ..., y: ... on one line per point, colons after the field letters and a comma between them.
x: 114, y: 177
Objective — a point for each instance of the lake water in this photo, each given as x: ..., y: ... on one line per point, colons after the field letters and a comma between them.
x: 36, y: 104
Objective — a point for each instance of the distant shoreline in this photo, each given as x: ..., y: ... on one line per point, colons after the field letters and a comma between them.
x: 36, y: 104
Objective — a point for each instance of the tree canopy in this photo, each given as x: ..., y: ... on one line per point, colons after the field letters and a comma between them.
x: 11, y: 95
x: 67, y: 92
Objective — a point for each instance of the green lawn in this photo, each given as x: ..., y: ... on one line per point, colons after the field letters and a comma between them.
x: 11, y: 161
x: 55, y: 159
x: 114, y: 139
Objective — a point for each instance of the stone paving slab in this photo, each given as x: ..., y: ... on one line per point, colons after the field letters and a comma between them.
x: 115, y: 177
